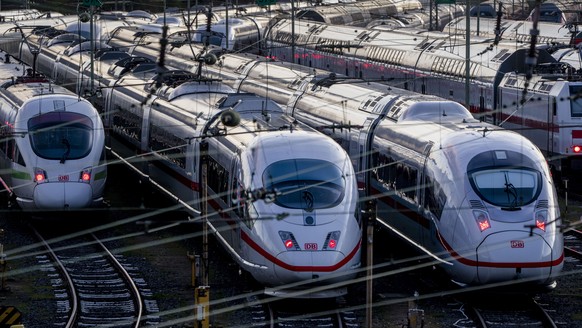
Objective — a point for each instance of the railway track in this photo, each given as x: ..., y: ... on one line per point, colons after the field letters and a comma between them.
x: 295, y: 313
x: 97, y: 288
x: 573, y: 243
x: 509, y: 312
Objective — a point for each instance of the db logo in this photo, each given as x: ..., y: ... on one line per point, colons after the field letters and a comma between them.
x: 517, y: 244
x: 63, y: 178
x: 310, y: 246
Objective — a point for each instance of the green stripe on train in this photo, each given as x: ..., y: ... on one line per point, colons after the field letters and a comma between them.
x: 20, y: 175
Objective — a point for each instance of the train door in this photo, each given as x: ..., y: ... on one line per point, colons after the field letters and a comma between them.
x: 7, y: 139
x: 425, y: 182
x: 237, y: 200
x: 362, y: 156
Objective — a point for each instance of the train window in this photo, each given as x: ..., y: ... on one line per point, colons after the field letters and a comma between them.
x: 217, y: 178
x: 506, y: 188
x: 435, y: 198
x: 504, y: 178
x: 395, y: 175
x: 127, y: 124
x: 61, y: 135
x: 18, y: 156
x: 237, y: 197
x: 576, y: 100
x: 10, y: 143
x: 169, y: 146
x: 305, y: 183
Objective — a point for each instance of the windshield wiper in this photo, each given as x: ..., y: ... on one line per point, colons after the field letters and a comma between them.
x: 510, y: 191
x: 308, y: 198
x: 65, y: 142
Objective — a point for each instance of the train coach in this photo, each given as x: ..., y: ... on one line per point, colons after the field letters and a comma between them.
x: 306, y: 230
x: 431, y: 64
x: 52, y: 153
x: 284, y: 197
x: 478, y: 198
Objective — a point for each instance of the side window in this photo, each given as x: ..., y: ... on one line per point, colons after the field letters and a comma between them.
x: 18, y: 156
x: 435, y: 198
x: 237, y: 197
x: 384, y: 169
x: 127, y: 124
x: 171, y: 147
x: 10, y: 143
x: 406, y: 178
x: 217, y: 178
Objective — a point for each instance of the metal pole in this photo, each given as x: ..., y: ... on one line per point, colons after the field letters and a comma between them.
x: 430, y: 24
x: 370, y: 219
x: 293, y: 31
x: 226, y: 26
x: 467, y: 57
x: 566, y: 193
x: 204, y: 210
x: 91, y: 11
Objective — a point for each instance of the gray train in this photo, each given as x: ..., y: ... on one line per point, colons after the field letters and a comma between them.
x: 477, y: 198
x: 282, y: 198
x: 52, y: 152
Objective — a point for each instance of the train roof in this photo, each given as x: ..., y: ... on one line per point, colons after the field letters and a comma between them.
x: 277, y: 146
x: 515, y: 30
x: 427, y: 52
x: 357, y: 12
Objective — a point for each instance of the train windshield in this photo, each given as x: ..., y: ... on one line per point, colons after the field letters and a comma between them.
x: 305, y: 183
x: 61, y: 135
x: 504, y: 178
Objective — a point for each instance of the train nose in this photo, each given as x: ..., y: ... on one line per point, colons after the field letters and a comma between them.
x: 503, y: 257
x: 311, y: 265
x: 69, y: 195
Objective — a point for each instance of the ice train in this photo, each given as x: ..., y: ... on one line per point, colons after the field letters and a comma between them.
x: 540, y: 101
x: 306, y: 229
x: 52, y: 152
x: 283, y: 197
x: 477, y: 197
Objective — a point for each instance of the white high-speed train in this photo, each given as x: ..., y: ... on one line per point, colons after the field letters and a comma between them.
x: 515, y: 30
x: 545, y: 108
x: 306, y: 230
x: 478, y: 198
x: 283, y: 197
x: 52, y: 151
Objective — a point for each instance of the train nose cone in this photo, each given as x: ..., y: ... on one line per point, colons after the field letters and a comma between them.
x: 304, y: 265
x: 69, y: 195
x: 503, y: 256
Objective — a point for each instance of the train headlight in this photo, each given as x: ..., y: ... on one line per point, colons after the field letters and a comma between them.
x: 331, y: 240
x: 541, y: 218
x: 85, y: 176
x: 289, y: 241
x: 39, y: 175
x: 577, y: 149
x: 482, y: 219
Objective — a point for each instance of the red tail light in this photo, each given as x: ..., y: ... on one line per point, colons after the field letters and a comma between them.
x: 541, y: 217
x: 289, y: 241
x: 39, y: 175
x: 85, y: 176
x: 331, y: 240
x: 577, y: 149
x: 482, y: 219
